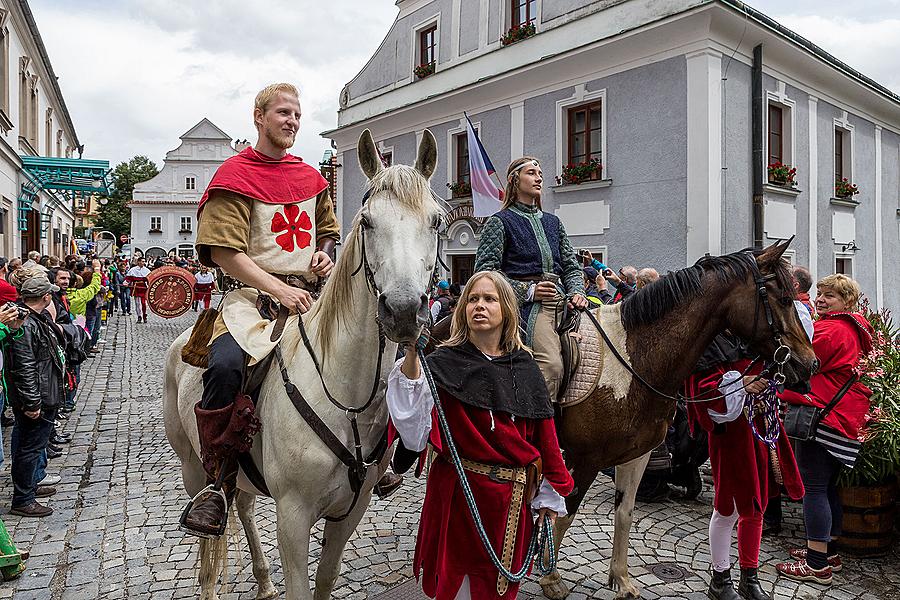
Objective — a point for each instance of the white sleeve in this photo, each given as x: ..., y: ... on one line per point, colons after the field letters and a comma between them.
x: 733, y: 388
x: 529, y: 295
x: 435, y: 311
x: 547, y: 497
x: 410, y: 402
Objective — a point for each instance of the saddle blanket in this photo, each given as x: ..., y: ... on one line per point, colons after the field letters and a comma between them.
x: 598, y: 367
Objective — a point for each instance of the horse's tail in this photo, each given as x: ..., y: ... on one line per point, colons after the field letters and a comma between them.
x: 213, y: 556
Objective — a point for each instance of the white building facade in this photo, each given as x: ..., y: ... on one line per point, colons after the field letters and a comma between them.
x: 34, y: 121
x: 164, y: 209
x: 659, y: 93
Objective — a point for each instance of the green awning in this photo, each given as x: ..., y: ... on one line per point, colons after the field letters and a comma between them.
x: 64, y: 179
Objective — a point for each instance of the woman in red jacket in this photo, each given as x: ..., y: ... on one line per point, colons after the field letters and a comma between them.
x: 841, y: 337
x: 743, y: 476
x: 499, y: 413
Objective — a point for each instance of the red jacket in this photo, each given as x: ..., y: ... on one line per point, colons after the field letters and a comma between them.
x: 739, y: 461
x: 447, y: 546
x: 8, y: 292
x: 839, y: 341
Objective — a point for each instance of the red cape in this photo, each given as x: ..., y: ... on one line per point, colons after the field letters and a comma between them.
x: 840, y: 339
x: 274, y: 181
x: 739, y: 461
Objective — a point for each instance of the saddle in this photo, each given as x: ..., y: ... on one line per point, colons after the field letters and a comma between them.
x: 582, y: 351
x: 568, y: 321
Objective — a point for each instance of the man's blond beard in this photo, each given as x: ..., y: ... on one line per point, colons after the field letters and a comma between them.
x: 280, y: 141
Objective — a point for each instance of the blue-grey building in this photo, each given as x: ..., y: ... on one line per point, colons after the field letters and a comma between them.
x: 666, y: 96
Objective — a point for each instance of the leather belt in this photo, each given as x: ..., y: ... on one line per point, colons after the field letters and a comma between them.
x: 296, y: 281
x: 518, y: 476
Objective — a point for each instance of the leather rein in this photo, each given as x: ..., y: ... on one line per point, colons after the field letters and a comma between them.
x: 780, y: 357
x: 356, y: 464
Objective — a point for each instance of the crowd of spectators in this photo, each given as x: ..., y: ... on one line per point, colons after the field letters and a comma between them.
x: 52, y: 316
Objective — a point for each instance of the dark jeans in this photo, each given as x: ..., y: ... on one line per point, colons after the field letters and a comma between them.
x: 95, y: 329
x: 822, y: 510
x: 222, y: 378
x: 32, y: 436
x: 125, y: 299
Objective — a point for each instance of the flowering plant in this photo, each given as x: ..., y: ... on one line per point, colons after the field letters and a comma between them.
x: 844, y: 189
x: 575, y: 173
x: 782, y: 174
x: 879, y: 456
x: 425, y: 70
x: 517, y: 33
x: 460, y: 189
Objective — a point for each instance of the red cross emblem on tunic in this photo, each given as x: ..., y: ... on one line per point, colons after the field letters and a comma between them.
x: 293, y: 227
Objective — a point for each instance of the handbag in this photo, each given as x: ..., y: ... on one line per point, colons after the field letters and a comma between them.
x: 802, y: 421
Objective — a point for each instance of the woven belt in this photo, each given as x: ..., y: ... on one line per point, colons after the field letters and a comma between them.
x: 292, y: 280
x: 518, y: 476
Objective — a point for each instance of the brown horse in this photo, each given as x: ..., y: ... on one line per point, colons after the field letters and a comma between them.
x: 662, y: 330
x: 668, y: 324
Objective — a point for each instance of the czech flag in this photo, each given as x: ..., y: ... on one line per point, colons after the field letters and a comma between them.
x: 485, y: 194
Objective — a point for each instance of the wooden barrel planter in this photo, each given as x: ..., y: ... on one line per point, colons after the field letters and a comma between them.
x: 869, y: 514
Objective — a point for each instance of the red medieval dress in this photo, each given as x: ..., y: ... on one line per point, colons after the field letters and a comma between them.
x: 448, y: 547
x: 741, y: 472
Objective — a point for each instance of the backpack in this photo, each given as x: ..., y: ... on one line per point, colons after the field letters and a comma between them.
x: 78, y: 343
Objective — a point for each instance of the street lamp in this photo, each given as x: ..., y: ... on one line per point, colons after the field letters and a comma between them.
x: 851, y: 247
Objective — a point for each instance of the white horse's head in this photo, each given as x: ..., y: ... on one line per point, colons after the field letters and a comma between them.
x: 397, y: 233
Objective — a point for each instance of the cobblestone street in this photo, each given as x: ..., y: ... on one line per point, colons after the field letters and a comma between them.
x: 114, y: 531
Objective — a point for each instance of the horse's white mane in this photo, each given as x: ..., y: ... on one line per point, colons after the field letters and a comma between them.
x: 398, y: 183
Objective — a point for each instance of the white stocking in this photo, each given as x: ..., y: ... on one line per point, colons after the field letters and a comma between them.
x: 720, y: 529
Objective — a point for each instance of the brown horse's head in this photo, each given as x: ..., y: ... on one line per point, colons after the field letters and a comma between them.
x: 746, y: 313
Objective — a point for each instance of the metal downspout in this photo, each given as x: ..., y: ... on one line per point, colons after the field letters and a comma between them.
x: 756, y: 124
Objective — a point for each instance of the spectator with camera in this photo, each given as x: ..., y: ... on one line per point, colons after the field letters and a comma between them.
x: 35, y: 377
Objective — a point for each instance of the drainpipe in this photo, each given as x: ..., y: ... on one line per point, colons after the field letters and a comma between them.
x: 756, y: 124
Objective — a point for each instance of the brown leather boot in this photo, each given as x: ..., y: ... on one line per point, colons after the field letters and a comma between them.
x: 388, y: 484
x: 207, y: 515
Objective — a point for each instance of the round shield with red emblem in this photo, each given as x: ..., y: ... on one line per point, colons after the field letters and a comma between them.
x: 170, y: 291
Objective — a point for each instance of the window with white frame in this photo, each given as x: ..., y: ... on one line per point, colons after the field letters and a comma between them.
x: 522, y: 12
x: 186, y: 225
x: 190, y: 182
x: 155, y: 224
x: 843, y: 264
x: 780, y: 141
x: 581, y: 151
x: 426, y: 48
x: 843, y: 154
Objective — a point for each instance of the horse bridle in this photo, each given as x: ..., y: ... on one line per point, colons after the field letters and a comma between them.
x: 780, y: 357
x: 356, y: 464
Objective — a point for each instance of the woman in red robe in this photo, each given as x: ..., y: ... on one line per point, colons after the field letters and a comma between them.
x: 743, y: 476
x: 501, y: 419
x: 842, y: 337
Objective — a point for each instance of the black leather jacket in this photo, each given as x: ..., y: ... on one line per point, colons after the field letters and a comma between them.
x: 34, y: 365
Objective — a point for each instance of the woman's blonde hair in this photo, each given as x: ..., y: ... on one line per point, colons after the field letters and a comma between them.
x: 510, y: 338
x: 512, y: 180
x: 843, y: 286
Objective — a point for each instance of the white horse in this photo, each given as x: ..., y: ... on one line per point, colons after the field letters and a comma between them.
x: 382, y: 275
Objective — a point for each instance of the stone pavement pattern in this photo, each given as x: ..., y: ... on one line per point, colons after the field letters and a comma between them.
x: 114, y: 531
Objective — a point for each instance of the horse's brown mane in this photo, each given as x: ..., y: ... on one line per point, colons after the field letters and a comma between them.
x: 656, y: 300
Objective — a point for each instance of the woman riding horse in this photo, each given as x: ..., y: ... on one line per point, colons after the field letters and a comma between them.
x: 501, y: 418
x: 531, y: 249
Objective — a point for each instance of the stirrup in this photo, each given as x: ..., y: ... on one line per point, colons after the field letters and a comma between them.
x: 182, y: 522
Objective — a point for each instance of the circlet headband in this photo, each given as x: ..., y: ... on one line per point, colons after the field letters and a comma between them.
x: 530, y: 163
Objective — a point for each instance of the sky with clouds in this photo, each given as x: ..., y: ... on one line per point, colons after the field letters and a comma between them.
x: 136, y: 74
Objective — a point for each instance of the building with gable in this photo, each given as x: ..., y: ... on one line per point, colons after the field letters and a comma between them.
x: 164, y: 209
x: 683, y: 104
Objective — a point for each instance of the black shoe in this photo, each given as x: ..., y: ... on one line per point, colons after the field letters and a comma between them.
x: 34, y: 509
x: 749, y: 586
x: 54, y: 447
x: 721, y: 587
x: 60, y: 438
x: 51, y: 454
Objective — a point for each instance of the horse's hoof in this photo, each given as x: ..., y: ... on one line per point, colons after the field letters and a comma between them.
x: 553, y: 587
x: 267, y: 594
